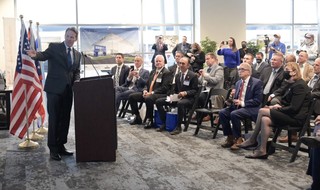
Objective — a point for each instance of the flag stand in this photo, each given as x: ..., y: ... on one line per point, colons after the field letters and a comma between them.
x: 28, y: 143
x: 34, y: 135
x: 42, y: 130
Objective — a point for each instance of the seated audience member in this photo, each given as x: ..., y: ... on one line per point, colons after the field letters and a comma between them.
x: 260, y: 65
x: 157, y: 87
x: 120, y: 72
x: 174, y: 70
x: 272, y: 77
x: 211, y: 77
x: 313, y: 142
x: 290, y: 58
x: 186, y: 86
x: 184, y: 47
x: 292, y: 111
x: 314, y: 85
x: 197, y: 57
x: 248, y: 58
x: 246, y: 103
x: 136, y: 81
x: 310, y: 46
x: 305, y: 68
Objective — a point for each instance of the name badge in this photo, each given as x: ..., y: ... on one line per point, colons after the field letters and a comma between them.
x: 159, y: 80
x: 186, y: 83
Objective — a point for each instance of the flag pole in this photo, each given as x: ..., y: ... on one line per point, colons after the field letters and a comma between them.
x: 28, y: 143
x: 42, y: 129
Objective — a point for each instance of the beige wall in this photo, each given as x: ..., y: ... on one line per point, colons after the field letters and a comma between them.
x: 221, y: 19
x: 6, y: 11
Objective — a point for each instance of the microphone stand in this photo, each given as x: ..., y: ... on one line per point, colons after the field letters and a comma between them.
x: 90, y: 61
x: 84, y: 65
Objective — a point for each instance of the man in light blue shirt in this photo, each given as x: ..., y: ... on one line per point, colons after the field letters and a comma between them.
x: 276, y: 46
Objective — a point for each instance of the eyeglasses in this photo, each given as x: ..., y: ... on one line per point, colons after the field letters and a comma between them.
x: 243, y: 69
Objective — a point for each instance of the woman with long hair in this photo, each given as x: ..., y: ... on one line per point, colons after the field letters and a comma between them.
x: 292, y: 111
x: 197, y: 57
x: 231, y: 58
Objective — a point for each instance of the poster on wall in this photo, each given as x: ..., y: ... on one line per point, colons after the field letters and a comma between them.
x: 103, y: 43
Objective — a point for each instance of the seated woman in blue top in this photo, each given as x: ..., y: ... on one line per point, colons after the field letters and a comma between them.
x: 231, y: 58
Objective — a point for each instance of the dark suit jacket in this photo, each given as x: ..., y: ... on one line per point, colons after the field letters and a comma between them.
x: 59, y: 75
x: 139, y: 83
x: 172, y: 70
x: 162, y: 83
x: 183, y: 48
x: 253, y: 96
x: 278, y: 79
x: 315, y: 93
x: 190, y: 84
x: 263, y: 65
x: 197, y: 64
x: 295, y: 101
x: 123, y: 73
x: 159, y: 52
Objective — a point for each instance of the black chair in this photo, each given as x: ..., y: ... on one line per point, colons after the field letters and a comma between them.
x: 212, y: 112
x: 124, y: 108
x: 302, y: 130
x: 188, y: 117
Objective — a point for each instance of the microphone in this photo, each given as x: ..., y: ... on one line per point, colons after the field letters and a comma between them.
x: 90, y: 61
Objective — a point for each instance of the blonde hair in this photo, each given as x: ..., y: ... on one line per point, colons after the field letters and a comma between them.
x: 295, y: 67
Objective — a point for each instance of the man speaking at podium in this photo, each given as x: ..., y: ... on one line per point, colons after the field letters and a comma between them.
x: 63, y: 70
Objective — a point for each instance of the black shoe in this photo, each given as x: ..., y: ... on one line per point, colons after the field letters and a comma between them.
x: 137, y: 121
x: 55, y: 156
x: 148, y: 124
x: 176, y: 131
x: 262, y: 157
x: 311, y: 142
x: 161, y: 128
x: 65, y: 153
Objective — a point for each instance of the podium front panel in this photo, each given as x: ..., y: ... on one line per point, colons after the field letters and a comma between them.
x: 95, y: 120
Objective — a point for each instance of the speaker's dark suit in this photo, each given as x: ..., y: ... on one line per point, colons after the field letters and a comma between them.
x: 160, y: 89
x: 189, y: 85
x: 123, y: 73
x: 252, y: 100
x: 58, y: 87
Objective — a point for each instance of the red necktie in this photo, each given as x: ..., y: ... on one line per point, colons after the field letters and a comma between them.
x: 241, y: 90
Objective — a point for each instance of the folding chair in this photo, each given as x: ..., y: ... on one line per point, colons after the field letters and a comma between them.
x: 302, y: 130
x: 124, y: 108
x: 187, y: 118
x: 212, y: 112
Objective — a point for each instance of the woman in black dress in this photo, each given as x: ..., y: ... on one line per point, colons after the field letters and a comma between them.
x: 292, y: 111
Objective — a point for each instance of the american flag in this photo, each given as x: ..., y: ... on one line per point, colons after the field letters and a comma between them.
x: 34, y: 46
x: 27, y: 89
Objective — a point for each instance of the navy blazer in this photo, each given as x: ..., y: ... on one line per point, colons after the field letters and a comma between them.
x: 59, y: 75
x: 253, y: 96
x: 123, y: 73
x: 139, y: 83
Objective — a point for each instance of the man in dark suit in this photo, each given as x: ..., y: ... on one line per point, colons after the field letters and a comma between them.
x: 174, y: 70
x: 159, y: 48
x: 183, y: 47
x: 120, y: 72
x: 157, y: 87
x: 272, y: 77
x: 246, y: 104
x: 63, y: 71
x: 186, y: 86
x: 314, y: 84
x: 260, y: 65
x: 135, y: 82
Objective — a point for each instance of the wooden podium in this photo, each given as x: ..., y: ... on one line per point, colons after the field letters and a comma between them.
x: 95, y: 119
